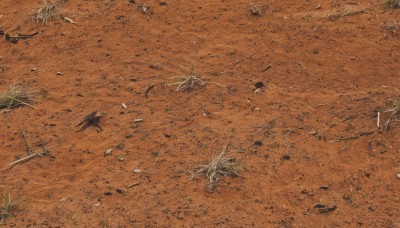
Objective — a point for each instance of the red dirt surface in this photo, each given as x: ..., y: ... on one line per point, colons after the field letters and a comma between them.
x: 332, y: 68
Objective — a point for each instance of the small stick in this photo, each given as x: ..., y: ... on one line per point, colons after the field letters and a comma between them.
x: 216, y: 83
x: 348, y: 118
x: 148, y: 90
x: 343, y: 148
x: 378, y: 119
x: 158, y: 157
x: 24, y: 159
x: 319, y: 105
x: 133, y: 184
x: 30, y: 150
x: 241, y: 60
x: 12, y: 98
x: 266, y: 68
x: 354, y: 137
x: 69, y: 20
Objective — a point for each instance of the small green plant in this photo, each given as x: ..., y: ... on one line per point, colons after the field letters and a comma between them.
x: 8, y: 207
x: 16, y: 96
x: 221, y: 165
x: 393, y: 3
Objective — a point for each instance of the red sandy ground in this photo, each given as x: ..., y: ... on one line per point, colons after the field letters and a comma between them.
x: 329, y: 77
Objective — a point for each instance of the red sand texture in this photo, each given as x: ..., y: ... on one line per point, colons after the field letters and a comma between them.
x: 332, y: 68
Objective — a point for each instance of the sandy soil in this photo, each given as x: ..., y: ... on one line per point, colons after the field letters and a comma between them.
x: 333, y: 65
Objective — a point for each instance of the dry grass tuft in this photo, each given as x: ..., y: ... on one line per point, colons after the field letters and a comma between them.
x: 221, y: 165
x: 257, y: 9
x: 393, y: 3
x: 7, y: 209
x: 188, y: 83
x: 16, y: 96
x: 46, y: 11
x: 394, y: 115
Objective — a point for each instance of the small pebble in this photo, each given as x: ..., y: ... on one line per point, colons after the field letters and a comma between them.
x: 137, y: 171
x: 258, y: 91
x: 137, y: 120
x: 259, y: 85
x: 124, y: 105
x: 63, y: 200
x: 59, y: 73
x: 108, y: 152
x: 121, y: 159
x: 398, y: 175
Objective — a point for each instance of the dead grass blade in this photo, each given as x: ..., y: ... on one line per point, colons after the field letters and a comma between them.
x: 221, y: 165
x: 31, y: 153
x: 346, y: 11
x: 8, y: 207
x: 394, y: 114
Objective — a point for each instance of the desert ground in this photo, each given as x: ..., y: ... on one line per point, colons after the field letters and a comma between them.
x: 302, y: 96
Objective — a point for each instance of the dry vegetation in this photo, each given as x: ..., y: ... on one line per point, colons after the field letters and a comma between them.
x: 7, y: 208
x: 221, y: 165
x: 394, y: 113
x: 187, y: 83
x: 16, y: 96
x: 47, y: 11
x: 257, y: 9
x: 393, y: 3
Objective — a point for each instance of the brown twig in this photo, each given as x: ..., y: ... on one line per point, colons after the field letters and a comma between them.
x: 356, y: 136
x: 27, y: 158
x: 28, y: 148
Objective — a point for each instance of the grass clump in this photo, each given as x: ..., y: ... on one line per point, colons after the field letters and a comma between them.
x: 14, y: 97
x: 393, y: 3
x: 7, y: 208
x: 221, y: 165
x: 394, y: 114
x: 187, y: 83
x: 47, y: 11
x: 257, y: 9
